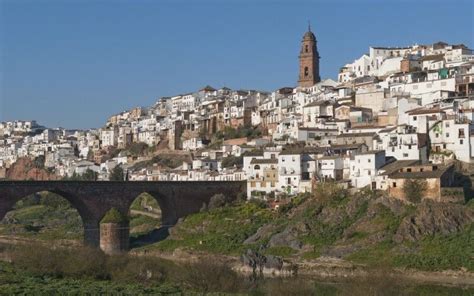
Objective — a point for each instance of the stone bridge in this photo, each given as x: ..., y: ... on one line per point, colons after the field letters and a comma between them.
x: 92, y: 199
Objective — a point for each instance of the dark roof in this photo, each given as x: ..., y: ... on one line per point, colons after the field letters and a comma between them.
x: 208, y: 88
x: 263, y: 161
x: 421, y: 175
x: 318, y: 103
x: 349, y: 135
x: 316, y: 129
x: 347, y: 146
x: 370, y: 152
x: 395, y: 166
x: 420, y: 111
x: 253, y: 153
x: 434, y: 57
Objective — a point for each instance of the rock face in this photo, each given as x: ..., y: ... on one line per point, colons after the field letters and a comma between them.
x: 24, y: 169
x: 287, y: 237
x: 256, y: 260
x: 434, y: 218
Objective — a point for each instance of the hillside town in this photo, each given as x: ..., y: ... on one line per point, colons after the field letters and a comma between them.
x: 394, y: 114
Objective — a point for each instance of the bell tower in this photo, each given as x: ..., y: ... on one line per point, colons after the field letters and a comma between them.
x: 309, y: 60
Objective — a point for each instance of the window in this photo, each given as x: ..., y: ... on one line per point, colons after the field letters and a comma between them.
x: 444, y: 146
x: 289, y: 181
x: 256, y: 167
x: 409, y: 170
x: 369, y: 172
x: 306, y: 48
x: 306, y: 71
x: 369, y: 160
x: 394, y: 184
x: 414, y: 118
x: 461, y: 142
x: 447, y: 135
x: 409, y: 147
x: 405, y: 154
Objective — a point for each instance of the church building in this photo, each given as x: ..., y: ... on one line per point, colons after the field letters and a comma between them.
x: 309, y: 61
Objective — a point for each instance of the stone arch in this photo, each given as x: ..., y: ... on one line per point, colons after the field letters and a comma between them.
x: 9, y: 203
x: 166, y: 220
x: 168, y: 212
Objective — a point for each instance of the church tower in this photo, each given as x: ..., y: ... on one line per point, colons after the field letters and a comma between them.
x: 309, y: 60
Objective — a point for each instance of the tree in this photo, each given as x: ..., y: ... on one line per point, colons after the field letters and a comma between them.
x: 76, y: 151
x: 231, y: 160
x: 89, y: 175
x: 39, y: 162
x: 117, y: 174
x: 414, y: 189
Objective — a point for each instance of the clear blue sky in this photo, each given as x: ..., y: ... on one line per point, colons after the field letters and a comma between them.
x: 74, y: 63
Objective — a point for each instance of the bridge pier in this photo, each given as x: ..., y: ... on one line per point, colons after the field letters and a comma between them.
x: 92, y: 199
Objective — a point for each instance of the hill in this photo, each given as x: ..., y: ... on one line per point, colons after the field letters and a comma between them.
x: 365, y: 228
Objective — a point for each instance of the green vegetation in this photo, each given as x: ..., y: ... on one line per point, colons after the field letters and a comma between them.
x: 231, y: 161
x: 117, y: 174
x: 89, y: 175
x: 167, y: 160
x: 39, y: 270
x: 44, y: 216
x: 239, y: 132
x: 220, y: 230
x: 138, y: 149
x: 114, y: 216
x: 440, y: 252
x: 414, y: 189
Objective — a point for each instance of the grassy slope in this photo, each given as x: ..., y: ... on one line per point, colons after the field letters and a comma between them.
x: 218, y: 231
x: 224, y: 230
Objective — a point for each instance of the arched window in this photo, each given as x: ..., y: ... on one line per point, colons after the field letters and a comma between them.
x: 257, y: 167
x: 306, y: 48
x: 306, y: 71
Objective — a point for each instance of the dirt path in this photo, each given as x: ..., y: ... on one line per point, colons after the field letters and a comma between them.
x: 145, y: 213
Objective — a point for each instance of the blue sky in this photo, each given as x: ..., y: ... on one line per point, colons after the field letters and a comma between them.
x: 74, y: 63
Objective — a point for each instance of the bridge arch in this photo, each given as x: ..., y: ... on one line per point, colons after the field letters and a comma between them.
x: 93, y: 199
x: 54, y: 204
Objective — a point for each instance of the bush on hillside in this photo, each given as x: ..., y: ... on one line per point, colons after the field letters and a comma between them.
x: 414, y: 189
x: 114, y: 216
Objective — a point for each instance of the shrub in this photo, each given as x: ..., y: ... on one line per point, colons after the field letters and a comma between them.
x: 117, y: 174
x: 217, y: 201
x: 414, y: 189
x: 230, y: 161
x: 114, y: 216
x: 329, y: 192
x: 208, y: 276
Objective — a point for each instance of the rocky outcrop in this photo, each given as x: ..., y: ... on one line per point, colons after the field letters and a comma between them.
x: 288, y: 238
x: 434, y: 218
x: 257, y: 260
x: 24, y: 169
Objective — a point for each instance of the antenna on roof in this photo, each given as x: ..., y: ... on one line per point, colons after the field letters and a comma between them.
x: 309, y: 26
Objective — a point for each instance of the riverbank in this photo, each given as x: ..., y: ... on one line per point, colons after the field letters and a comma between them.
x: 325, y: 268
